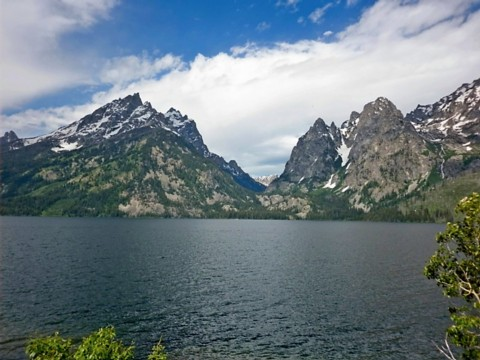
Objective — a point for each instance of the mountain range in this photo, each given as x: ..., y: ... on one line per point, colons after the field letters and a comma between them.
x: 127, y: 159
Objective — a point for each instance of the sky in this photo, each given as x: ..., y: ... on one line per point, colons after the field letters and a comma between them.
x: 254, y: 75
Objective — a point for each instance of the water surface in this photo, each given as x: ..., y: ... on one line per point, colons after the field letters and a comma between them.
x: 224, y: 289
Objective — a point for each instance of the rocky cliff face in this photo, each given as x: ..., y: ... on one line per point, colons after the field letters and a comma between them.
x: 379, y: 155
x: 453, y: 120
x: 387, y: 157
x: 313, y: 159
x: 452, y: 124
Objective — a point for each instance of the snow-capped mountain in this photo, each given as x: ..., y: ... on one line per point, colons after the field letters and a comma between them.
x: 188, y: 130
x: 128, y: 159
x: 266, y: 179
x: 379, y: 154
x: 453, y: 120
x: 113, y: 119
x: 125, y: 115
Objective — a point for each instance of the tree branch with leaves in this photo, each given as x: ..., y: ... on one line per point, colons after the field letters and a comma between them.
x: 456, y: 268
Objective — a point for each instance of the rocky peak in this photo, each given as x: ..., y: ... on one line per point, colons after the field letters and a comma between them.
x: 453, y: 120
x: 384, y: 157
x: 313, y: 159
x: 10, y: 141
x: 176, y: 120
x: 8, y: 138
x: 382, y: 111
x: 187, y: 129
x: 114, y: 112
x: 335, y: 133
x: 349, y: 127
x: 266, y: 179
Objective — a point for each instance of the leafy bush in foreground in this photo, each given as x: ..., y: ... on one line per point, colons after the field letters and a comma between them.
x: 100, y: 345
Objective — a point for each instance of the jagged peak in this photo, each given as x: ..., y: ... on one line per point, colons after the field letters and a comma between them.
x: 133, y: 101
x: 134, y: 98
x: 381, y: 102
x: 10, y: 136
x: 354, y: 115
x: 172, y: 112
x: 176, y: 118
x: 381, y: 108
x: 353, y: 120
x: 320, y: 125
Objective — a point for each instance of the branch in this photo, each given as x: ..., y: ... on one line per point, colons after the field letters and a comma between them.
x: 445, y: 350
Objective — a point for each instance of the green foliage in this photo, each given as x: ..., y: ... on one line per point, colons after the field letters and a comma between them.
x: 100, y: 345
x: 456, y: 268
x: 158, y: 352
x: 103, y: 345
x: 49, y: 348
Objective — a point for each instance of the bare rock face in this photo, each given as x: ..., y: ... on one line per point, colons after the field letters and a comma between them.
x: 313, y: 159
x: 388, y: 156
x: 379, y: 155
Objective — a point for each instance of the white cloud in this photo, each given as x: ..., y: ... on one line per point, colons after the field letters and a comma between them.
x: 43, y: 121
x: 131, y: 68
x: 253, y: 103
x: 317, y: 14
x: 328, y: 33
x: 32, y: 63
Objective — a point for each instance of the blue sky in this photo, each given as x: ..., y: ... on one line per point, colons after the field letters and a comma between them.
x: 254, y: 75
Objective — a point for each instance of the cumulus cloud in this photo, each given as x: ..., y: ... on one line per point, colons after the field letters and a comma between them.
x: 32, y: 62
x: 252, y: 103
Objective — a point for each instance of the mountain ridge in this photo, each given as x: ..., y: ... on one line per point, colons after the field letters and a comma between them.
x: 123, y: 115
x: 377, y: 165
x: 379, y: 156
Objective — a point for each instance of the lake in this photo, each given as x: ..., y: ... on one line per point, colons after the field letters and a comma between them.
x: 224, y: 289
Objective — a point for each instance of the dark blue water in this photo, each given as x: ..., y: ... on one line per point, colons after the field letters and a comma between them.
x: 224, y: 289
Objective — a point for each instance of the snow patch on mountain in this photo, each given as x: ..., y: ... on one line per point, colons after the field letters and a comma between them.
x: 344, y: 151
x: 65, y: 146
x: 330, y: 184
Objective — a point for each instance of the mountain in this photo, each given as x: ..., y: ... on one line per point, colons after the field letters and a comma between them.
x: 313, y: 159
x: 123, y: 159
x: 127, y: 159
x: 379, y: 159
x: 123, y: 115
x: 453, y: 125
x: 188, y: 130
x: 266, y: 179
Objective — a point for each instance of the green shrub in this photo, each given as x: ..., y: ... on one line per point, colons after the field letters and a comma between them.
x: 49, y: 348
x: 100, y: 345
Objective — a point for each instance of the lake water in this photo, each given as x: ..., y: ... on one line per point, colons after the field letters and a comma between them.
x: 224, y: 289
